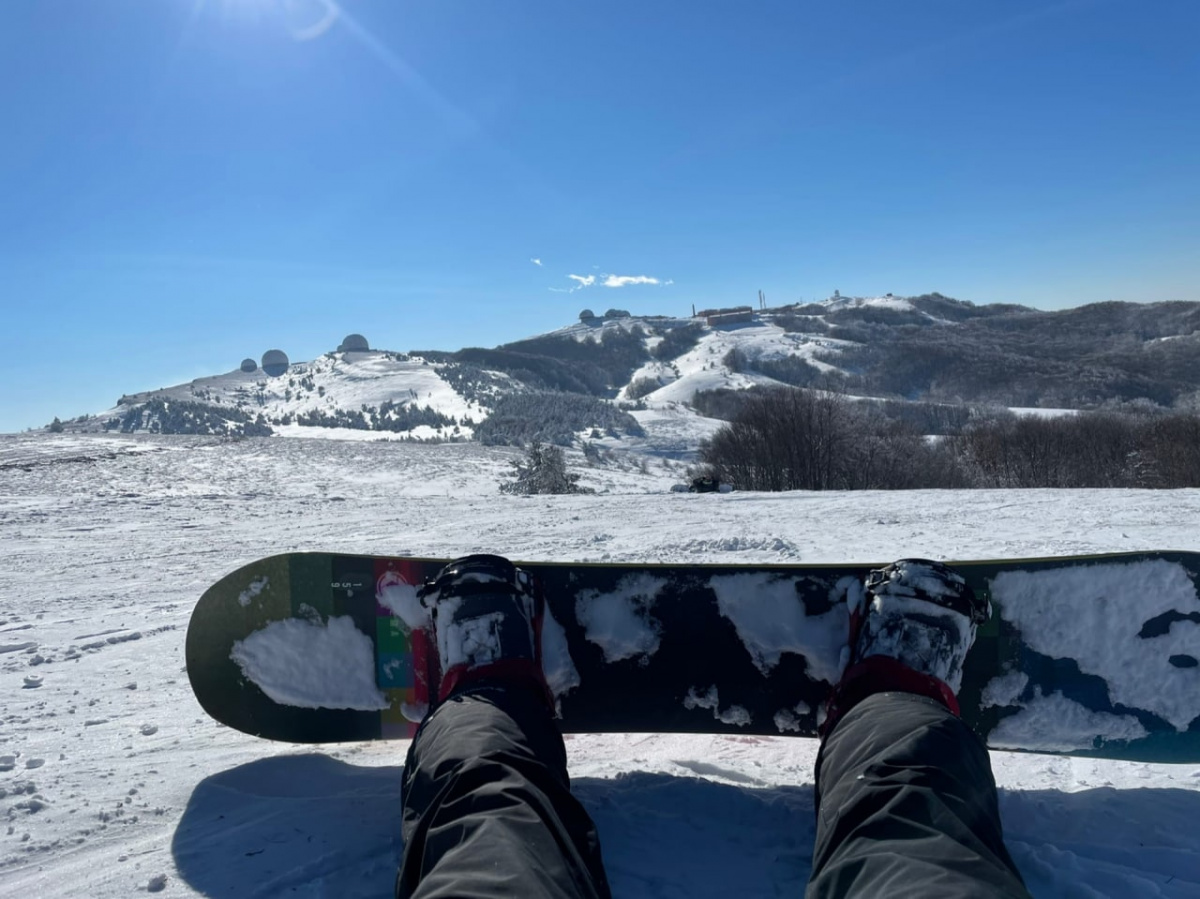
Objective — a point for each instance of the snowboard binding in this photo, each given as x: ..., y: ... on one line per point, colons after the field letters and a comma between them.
x: 930, y: 581
x: 487, y: 622
x: 910, y: 632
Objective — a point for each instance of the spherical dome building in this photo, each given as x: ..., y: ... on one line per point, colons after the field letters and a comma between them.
x: 354, y: 343
x: 275, y: 362
x: 249, y: 366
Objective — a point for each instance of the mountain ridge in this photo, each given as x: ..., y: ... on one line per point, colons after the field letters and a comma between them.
x: 929, y: 348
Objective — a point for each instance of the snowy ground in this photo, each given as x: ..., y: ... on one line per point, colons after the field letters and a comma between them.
x: 113, y: 781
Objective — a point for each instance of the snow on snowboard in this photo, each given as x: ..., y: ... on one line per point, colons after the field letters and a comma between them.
x: 1085, y: 655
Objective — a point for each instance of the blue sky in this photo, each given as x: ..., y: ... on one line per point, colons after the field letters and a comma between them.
x: 189, y: 182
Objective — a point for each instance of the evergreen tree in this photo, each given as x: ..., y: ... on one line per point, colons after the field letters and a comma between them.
x: 543, y: 470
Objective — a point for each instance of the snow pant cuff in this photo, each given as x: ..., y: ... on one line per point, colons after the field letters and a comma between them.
x: 511, y: 674
x: 882, y: 674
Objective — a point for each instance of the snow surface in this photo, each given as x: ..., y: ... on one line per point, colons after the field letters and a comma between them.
x: 114, y: 781
x: 1038, y: 412
x: 897, y: 304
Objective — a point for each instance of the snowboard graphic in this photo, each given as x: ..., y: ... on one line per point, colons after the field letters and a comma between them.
x: 1087, y: 655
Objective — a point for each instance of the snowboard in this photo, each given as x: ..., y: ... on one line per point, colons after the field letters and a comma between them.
x: 1087, y: 655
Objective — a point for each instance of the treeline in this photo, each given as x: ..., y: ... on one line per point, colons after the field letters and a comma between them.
x: 1072, y: 358
x: 1087, y: 450
x: 557, y: 364
x: 555, y: 418
x: 184, y: 417
x: 474, y: 384
x: 391, y: 416
x: 787, y: 439
x: 923, y: 418
x: 677, y: 341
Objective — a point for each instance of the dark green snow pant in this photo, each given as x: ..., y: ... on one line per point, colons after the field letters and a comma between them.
x: 905, y: 797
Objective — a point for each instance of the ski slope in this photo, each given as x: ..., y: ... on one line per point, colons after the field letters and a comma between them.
x: 328, y: 384
x: 703, y: 367
x: 113, y: 782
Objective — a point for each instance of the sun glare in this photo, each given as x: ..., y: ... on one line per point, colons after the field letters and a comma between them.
x: 305, y: 20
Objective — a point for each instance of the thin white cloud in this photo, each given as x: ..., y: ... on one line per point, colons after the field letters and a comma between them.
x: 584, y: 281
x: 536, y: 262
x: 626, y: 280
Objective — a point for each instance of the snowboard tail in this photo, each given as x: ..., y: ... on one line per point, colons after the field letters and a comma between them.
x: 313, y: 589
x: 1090, y: 655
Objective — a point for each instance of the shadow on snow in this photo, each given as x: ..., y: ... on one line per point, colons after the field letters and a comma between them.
x: 309, y: 825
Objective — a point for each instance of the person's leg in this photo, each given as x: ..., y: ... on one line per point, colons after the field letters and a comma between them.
x: 487, y: 805
x: 906, y: 806
x: 487, y: 808
x: 906, y: 800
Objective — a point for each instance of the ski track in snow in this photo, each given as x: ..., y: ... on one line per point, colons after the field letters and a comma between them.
x: 114, y: 782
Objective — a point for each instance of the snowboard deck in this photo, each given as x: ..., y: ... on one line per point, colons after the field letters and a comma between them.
x: 1086, y: 655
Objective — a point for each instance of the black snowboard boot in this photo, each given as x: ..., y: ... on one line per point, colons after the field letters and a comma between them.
x: 911, y: 631
x: 487, y: 621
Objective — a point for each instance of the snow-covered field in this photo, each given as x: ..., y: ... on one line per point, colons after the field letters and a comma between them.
x: 113, y: 782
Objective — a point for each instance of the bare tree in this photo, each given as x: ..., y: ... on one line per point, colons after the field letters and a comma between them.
x: 785, y: 439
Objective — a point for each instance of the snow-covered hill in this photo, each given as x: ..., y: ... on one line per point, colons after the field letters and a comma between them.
x: 929, y: 348
x: 707, y: 366
x: 113, y: 782
x: 332, y: 384
x: 315, y: 398
x: 379, y: 388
